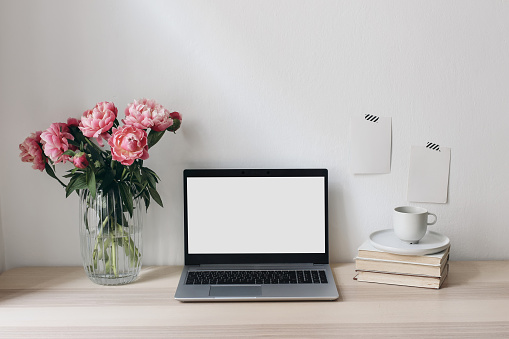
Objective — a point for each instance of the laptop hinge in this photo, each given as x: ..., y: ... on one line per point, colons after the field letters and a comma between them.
x: 273, y: 265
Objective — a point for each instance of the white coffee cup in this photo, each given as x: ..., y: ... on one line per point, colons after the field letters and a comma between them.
x: 411, y: 223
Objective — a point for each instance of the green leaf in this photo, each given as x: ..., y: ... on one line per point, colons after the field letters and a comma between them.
x: 150, y: 180
x: 78, y: 182
x: 73, y: 143
x: 107, y: 180
x: 71, y: 172
x: 137, y: 176
x: 69, y: 153
x: 141, y: 189
x: 146, y: 179
x: 96, y: 155
x: 152, y: 173
x: 149, y: 176
x: 175, y: 126
x: 155, y: 196
x: 127, y: 198
x: 146, y: 198
x: 52, y: 174
x: 50, y: 171
x: 78, y: 136
x: 125, y: 174
x: 154, y: 137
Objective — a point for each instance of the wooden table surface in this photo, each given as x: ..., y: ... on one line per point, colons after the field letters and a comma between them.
x: 61, y: 302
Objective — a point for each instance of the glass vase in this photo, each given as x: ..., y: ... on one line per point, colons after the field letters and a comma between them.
x: 110, y: 237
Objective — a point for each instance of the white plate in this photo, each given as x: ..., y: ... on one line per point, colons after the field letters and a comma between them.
x: 386, y: 240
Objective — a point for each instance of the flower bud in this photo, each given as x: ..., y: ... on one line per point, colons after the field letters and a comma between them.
x: 177, y: 121
x: 80, y: 160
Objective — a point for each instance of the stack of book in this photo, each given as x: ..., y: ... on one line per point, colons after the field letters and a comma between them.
x: 428, y: 271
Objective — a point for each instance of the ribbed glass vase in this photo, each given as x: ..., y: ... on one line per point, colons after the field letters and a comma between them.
x: 110, y: 237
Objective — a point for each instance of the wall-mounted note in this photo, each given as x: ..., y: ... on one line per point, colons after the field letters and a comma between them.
x: 428, y: 177
x: 371, y: 138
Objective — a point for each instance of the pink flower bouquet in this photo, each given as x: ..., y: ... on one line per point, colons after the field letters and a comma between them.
x: 116, y: 166
x: 107, y: 172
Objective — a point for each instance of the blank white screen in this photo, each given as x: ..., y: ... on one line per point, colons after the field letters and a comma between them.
x: 256, y: 215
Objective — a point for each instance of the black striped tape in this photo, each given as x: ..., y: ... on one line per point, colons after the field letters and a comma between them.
x: 433, y: 146
x: 372, y: 118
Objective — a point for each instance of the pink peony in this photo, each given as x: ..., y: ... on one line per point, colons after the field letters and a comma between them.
x: 73, y: 122
x: 54, y: 142
x: 80, y: 160
x: 145, y: 114
x: 96, y: 122
x: 31, y: 151
x: 128, y: 143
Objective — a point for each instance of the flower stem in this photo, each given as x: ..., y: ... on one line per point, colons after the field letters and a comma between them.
x: 130, y: 248
x: 114, y: 256
x: 99, y: 236
x: 92, y: 145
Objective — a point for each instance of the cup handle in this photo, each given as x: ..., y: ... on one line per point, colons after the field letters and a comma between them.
x: 434, y: 221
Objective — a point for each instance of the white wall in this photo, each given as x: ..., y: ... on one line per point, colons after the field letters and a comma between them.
x: 263, y: 84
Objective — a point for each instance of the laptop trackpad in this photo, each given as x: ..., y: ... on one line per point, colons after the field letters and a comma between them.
x: 235, y: 291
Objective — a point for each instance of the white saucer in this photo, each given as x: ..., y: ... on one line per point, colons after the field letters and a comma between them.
x: 386, y: 240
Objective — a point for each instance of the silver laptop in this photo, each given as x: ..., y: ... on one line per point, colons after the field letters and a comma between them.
x: 256, y: 234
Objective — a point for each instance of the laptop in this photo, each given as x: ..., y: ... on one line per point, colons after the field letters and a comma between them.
x: 256, y: 234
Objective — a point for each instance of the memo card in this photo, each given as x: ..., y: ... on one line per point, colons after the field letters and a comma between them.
x: 371, y: 144
x: 428, y: 177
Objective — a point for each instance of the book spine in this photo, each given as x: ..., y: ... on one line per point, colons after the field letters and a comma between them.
x: 396, y: 267
x: 402, y: 279
x: 400, y: 258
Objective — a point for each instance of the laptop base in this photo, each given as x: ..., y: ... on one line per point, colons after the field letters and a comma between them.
x: 257, y: 292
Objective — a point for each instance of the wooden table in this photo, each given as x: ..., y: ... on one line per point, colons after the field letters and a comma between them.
x: 61, y: 302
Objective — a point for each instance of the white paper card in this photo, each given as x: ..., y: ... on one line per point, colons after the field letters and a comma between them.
x: 428, y: 178
x: 371, y: 145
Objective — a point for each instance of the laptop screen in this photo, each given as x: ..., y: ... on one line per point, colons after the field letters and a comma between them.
x: 255, y: 216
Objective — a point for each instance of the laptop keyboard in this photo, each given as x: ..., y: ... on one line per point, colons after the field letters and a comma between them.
x: 243, y: 277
